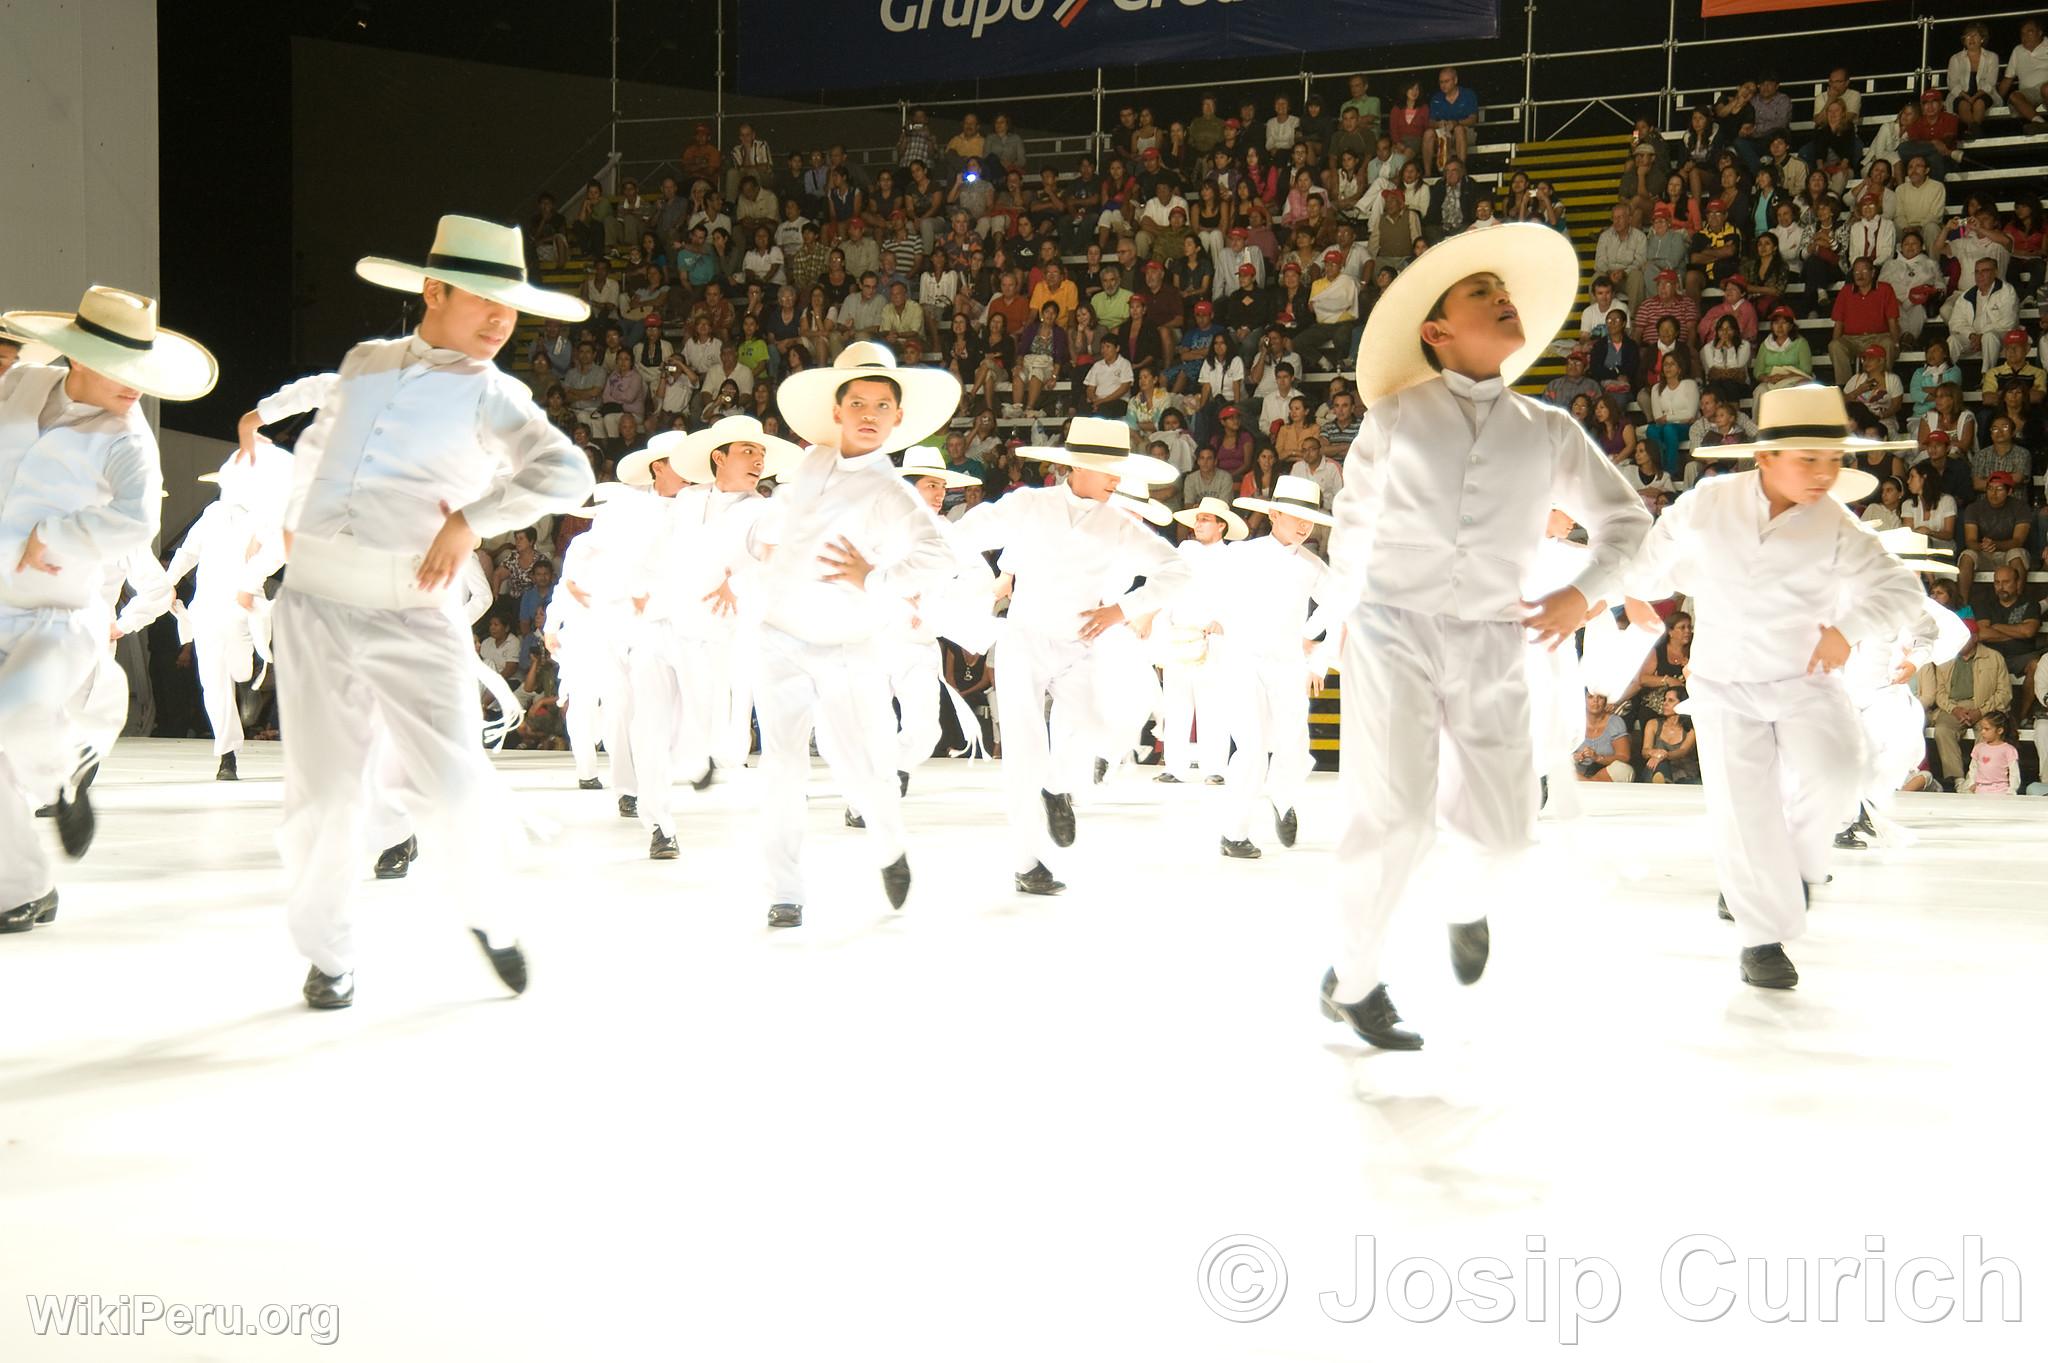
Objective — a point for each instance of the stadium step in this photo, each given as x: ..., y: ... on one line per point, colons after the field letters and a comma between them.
x: 1582, y: 172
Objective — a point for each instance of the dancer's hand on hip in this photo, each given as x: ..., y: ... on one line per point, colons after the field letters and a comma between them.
x: 723, y: 602
x: 1556, y: 617
x: 1830, y: 653
x: 1101, y: 618
x: 32, y: 557
x: 846, y: 564
x: 455, y: 542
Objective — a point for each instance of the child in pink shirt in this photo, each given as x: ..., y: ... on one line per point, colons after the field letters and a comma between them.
x: 1993, y: 761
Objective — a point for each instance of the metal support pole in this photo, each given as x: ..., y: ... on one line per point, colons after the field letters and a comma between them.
x: 1670, y: 65
x: 1095, y: 145
x: 1529, y: 72
x: 614, y: 162
x: 718, y: 116
x: 1926, y: 33
x: 1304, y: 87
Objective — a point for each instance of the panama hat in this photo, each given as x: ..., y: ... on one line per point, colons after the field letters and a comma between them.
x: 1293, y: 496
x: 1907, y: 541
x: 262, y: 483
x: 690, y: 455
x: 1805, y: 416
x: 1234, y: 527
x: 806, y: 398
x: 32, y: 352
x: 1537, y: 264
x: 1142, y: 504
x: 114, y: 332
x: 922, y: 461
x: 485, y: 258
x: 636, y: 470
x: 1103, y: 444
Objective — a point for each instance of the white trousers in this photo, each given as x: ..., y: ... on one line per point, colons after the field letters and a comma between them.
x: 1269, y: 723
x: 1435, y: 726
x: 46, y: 656
x: 844, y: 690
x: 349, y: 679
x: 1782, y: 763
x: 1195, y: 701
x: 101, y: 708
x: 601, y: 710
x: 1127, y: 692
x: 226, y: 657
x: 1894, y: 742
x: 916, y: 683
x: 1557, y: 705
x: 673, y: 679
x: 1042, y: 754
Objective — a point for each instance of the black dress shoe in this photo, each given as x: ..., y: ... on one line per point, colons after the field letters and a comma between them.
x: 896, y: 881
x: 1373, y: 1017
x: 1767, y: 967
x: 227, y: 768
x: 1542, y: 791
x: 1863, y: 824
x: 1721, y: 907
x: 902, y: 783
x: 46, y: 811
x: 629, y: 806
x: 590, y: 783
x: 329, y: 991
x: 394, y: 862
x: 1038, y: 880
x: 785, y: 915
x: 1167, y: 778
x: 75, y: 824
x: 854, y: 820
x: 1241, y: 848
x: 1101, y: 769
x: 22, y: 917
x: 704, y: 782
x: 1471, y: 943
x: 662, y: 847
x: 1285, y: 827
x: 1215, y: 780
x: 1848, y: 841
x: 509, y: 962
x: 1059, y: 818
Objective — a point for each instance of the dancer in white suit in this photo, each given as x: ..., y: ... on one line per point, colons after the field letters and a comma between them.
x: 1064, y: 544
x: 81, y: 488
x: 1195, y: 690
x: 1129, y: 680
x: 687, y: 603
x: 1446, y: 491
x: 421, y: 446
x: 101, y: 709
x: 845, y: 542
x: 594, y: 611
x: 1273, y: 660
x: 236, y: 544
x: 1784, y: 580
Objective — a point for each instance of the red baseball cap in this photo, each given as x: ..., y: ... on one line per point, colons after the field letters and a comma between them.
x: 1782, y: 311
x: 1248, y: 268
x: 1290, y: 266
x: 2005, y: 478
x: 1736, y: 280
x: 1662, y: 210
x: 1876, y: 350
x: 1151, y: 153
x: 1239, y: 232
x: 1663, y: 275
x: 2016, y: 337
x: 1333, y: 254
x: 1937, y: 437
x: 1204, y: 305
x: 1716, y: 206
x: 1930, y: 93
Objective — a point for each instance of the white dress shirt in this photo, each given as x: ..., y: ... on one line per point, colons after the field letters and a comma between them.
x: 152, y: 591
x: 1201, y: 601
x: 405, y: 427
x: 1063, y: 548
x: 866, y: 502
x: 1763, y: 587
x: 687, y: 548
x: 1436, y: 519
x: 1267, y: 587
x: 86, y: 481
x: 1328, y: 475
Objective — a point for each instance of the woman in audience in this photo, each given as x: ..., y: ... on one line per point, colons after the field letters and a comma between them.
x: 1782, y: 356
x: 1952, y: 418
x: 1297, y: 428
x: 1258, y: 482
x: 1764, y: 197
x: 1789, y: 236
x: 1194, y: 274
x: 1607, y: 750
x: 1973, y: 79
x: 1934, y: 371
x: 1877, y: 389
x: 1210, y: 218
x: 817, y: 327
x: 1928, y: 509
x: 1669, y: 746
x: 1687, y: 211
x: 1043, y: 358
x: 1669, y: 665
x: 998, y: 359
x: 1611, y: 431
x: 960, y: 352
x: 1669, y: 408
x: 984, y: 441
x: 1233, y: 444
x: 1885, y: 512
x: 1766, y: 270
x: 1668, y: 343
x: 1980, y: 231
x: 1148, y: 401
x: 1702, y: 145
x: 651, y: 353
x: 1262, y: 177
x: 1727, y: 359
x: 2025, y: 237
x: 1408, y: 120
x: 1836, y: 151
x: 2016, y: 404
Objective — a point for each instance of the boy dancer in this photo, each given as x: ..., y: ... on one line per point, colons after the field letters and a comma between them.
x: 1447, y: 489
x: 846, y: 542
x: 1784, y: 581
x: 421, y: 446
x: 81, y: 487
x: 1195, y: 690
x: 1064, y: 543
x: 1269, y: 639
x: 961, y: 609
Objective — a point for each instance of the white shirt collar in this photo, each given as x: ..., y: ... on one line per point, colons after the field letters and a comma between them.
x: 1471, y: 389
x: 417, y: 351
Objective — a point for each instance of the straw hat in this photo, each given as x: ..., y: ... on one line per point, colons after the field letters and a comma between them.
x: 922, y: 461
x: 114, y: 332
x: 636, y: 470
x: 1907, y: 541
x: 485, y: 258
x: 1806, y: 416
x: 1142, y: 504
x: 806, y: 398
x: 1234, y: 527
x: 264, y: 482
x: 690, y: 455
x: 32, y: 352
x: 1536, y: 263
x: 1103, y: 445
x: 1293, y: 496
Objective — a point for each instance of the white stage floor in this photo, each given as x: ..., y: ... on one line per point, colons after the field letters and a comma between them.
x: 993, y: 1127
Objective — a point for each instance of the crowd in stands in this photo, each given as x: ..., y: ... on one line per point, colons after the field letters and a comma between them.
x: 1204, y: 278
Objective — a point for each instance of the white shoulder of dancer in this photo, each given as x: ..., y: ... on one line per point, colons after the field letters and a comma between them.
x: 299, y: 396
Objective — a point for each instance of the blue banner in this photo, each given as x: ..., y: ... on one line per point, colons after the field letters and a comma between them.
x: 792, y: 46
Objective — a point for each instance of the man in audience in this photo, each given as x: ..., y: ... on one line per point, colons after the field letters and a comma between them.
x: 1340, y: 428
x: 1206, y: 480
x: 902, y: 318
x: 1934, y: 135
x: 1452, y: 205
x: 1666, y: 302
x: 1560, y: 391
x: 1109, y: 380
x: 2025, y: 82
x: 1453, y: 114
x: 1980, y: 317
x: 1866, y: 313
x: 1960, y: 692
x: 1334, y: 300
x: 2012, y: 627
x: 1994, y: 531
x: 1620, y: 253
x: 2016, y: 370
x: 1717, y: 246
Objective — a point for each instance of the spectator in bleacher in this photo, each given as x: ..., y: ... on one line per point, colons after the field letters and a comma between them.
x: 1836, y: 149
x: 1716, y: 249
x: 1669, y: 343
x: 1980, y: 317
x: 1666, y: 302
x: 1408, y: 120
x: 1621, y: 253
x: 584, y: 383
x: 1335, y: 301
x: 700, y: 160
x: 1788, y: 171
x: 1607, y: 750
x: 1275, y: 348
x: 1666, y: 741
x: 1765, y: 272
x: 1915, y: 281
x: 1995, y: 530
x: 1933, y: 134
x: 1453, y: 114
x: 1617, y: 359
x: 1108, y: 380
x: 2000, y: 453
x: 1340, y: 427
x: 1877, y: 389
x: 1593, y: 318
x: 1973, y: 79
x: 2015, y: 369
x: 2025, y: 82
x: 1960, y: 692
x: 2016, y: 403
x: 624, y: 394
x: 902, y: 319
x: 1641, y: 177
x: 1727, y: 359
x: 1934, y: 371
x: 1872, y: 236
x: 547, y: 233
x: 1837, y: 89
x: 1452, y: 204
x: 1884, y: 513
x: 1560, y: 391
x: 2011, y: 625
x: 1920, y: 202
x: 554, y: 344
x: 1734, y: 303
x: 1670, y: 406
x: 592, y: 229
x: 1947, y: 468
x: 1363, y: 103
x: 1865, y: 313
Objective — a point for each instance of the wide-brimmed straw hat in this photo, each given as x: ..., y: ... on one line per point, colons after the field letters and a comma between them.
x: 1805, y: 416
x: 1141, y: 503
x: 1535, y: 262
x: 1907, y: 541
x: 807, y: 397
x: 690, y: 454
x: 32, y: 352
x: 922, y: 461
x: 636, y: 470
x: 1103, y: 445
x: 1234, y: 527
x: 486, y: 258
x: 1292, y: 496
x: 114, y: 332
